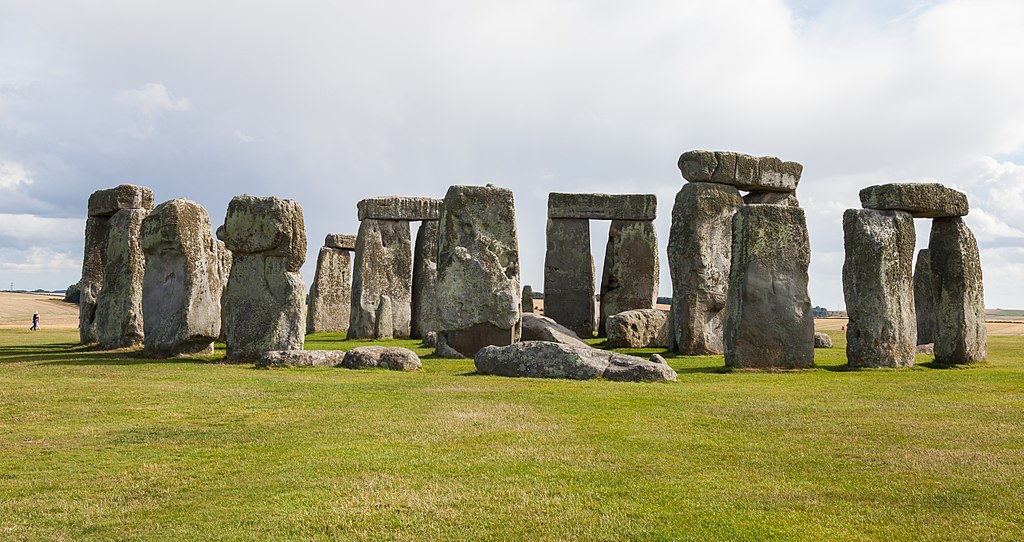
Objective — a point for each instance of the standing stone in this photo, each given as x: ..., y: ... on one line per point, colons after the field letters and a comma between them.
x: 631, y: 275
x: 182, y: 283
x: 119, y: 307
x: 224, y: 269
x: 330, y: 296
x: 383, y: 266
x: 424, y: 281
x: 960, y: 335
x: 924, y: 301
x: 96, y: 231
x: 264, y: 303
x: 699, y: 256
x: 879, y: 288
x: 768, y: 322
x: 527, y: 298
x: 478, y: 269
x: 569, y: 275
x: 383, y: 321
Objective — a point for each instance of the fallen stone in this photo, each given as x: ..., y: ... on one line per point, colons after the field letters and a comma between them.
x: 925, y: 349
x: 125, y: 196
x: 771, y: 198
x: 385, y: 357
x: 922, y: 200
x: 539, y: 359
x: 958, y: 291
x: 603, y: 206
x: 542, y: 328
x: 430, y: 339
x: 119, y: 303
x: 330, y: 295
x: 340, y: 241
x: 399, y: 208
x: 569, y: 276
x: 768, y: 321
x: 425, y: 311
x: 751, y: 173
x: 924, y: 301
x: 527, y: 297
x: 657, y: 358
x: 301, y: 358
x: 478, y: 269
x: 631, y: 274
x: 442, y: 350
x: 879, y: 289
x: 640, y: 328
x: 822, y: 340
x: 699, y: 256
x: 383, y: 266
x: 383, y: 321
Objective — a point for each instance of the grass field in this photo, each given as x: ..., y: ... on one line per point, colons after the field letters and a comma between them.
x: 98, y: 445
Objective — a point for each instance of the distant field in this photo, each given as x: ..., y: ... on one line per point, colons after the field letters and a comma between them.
x: 16, y: 311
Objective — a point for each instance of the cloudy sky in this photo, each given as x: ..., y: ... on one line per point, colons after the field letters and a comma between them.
x: 330, y: 102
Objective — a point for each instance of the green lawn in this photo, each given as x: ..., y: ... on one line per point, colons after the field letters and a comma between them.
x: 96, y: 445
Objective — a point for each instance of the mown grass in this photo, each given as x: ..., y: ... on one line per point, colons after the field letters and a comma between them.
x: 99, y: 445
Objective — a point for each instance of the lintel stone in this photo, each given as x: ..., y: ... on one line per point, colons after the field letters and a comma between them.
x: 399, y: 208
x: 746, y: 172
x: 340, y: 241
x: 603, y: 206
x: 921, y: 200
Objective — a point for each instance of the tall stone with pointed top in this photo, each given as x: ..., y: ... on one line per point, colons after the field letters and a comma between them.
x: 527, y: 298
x: 424, y: 280
x: 958, y: 291
x: 631, y: 274
x: 383, y: 266
x: 924, y: 301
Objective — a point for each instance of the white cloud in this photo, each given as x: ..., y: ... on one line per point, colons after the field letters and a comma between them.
x: 38, y: 259
x: 13, y: 174
x: 243, y: 137
x: 25, y: 229
x: 152, y: 98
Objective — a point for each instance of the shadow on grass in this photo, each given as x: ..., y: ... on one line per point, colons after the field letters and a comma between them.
x: 85, y: 355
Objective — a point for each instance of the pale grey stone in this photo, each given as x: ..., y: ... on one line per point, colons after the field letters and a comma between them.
x: 772, y: 198
x: 478, y: 269
x: 119, y: 304
x: 631, y: 274
x: 752, y: 173
x: 425, y: 311
x: 125, y: 196
x: 768, y: 321
x: 527, y: 297
x: 540, y: 359
x: 924, y: 302
x: 922, y: 200
x: 603, y: 206
x: 657, y: 358
x: 268, y: 226
x: 958, y: 291
x: 442, y: 350
x: 330, y: 295
x: 569, y: 276
x: 699, y: 256
x: 399, y: 208
x: 340, y: 241
x: 879, y: 289
x: 925, y: 349
x: 822, y: 340
x: 383, y: 266
x: 384, y: 323
x: 301, y: 358
x: 430, y: 339
x: 182, y: 283
x: 385, y: 357
x: 542, y: 328
x: 96, y: 231
x: 639, y: 328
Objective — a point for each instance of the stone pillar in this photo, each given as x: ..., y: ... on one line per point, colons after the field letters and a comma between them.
x: 96, y: 230
x: 768, y: 321
x: 569, y: 275
x: 958, y: 292
x: 478, y: 270
x: 630, y: 278
x: 264, y: 304
x: 879, y: 289
x: 182, y: 284
x: 330, y: 295
x: 699, y: 254
x: 527, y: 299
x: 924, y: 303
x: 383, y: 266
x: 424, y: 280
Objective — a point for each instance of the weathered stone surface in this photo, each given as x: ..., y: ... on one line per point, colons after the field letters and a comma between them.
x: 603, y: 206
x: 96, y: 231
x: 330, y: 295
x: 569, y: 276
x: 768, y: 321
x: 925, y: 349
x: 383, y: 266
x: 879, y: 289
x: 399, y: 208
x: 699, y: 256
x: 922, y: 200
x: 119, y: 304
x: 385, y: 357
x: 478, y: 269
x: 384, y: 323
x: 264, y: 304
x: 631, y: 271
x: 960, y: 335
x: 542, y: 328
x: 924, y: 302
x: 224, y: 269
x: 182, y: 283
x: 753, y: 173
x: 425, y: 311
x: 125, y: 196
x: 340, y: 241
x: 771, y: 198
x: 527, y: 299
x: 640, y: 328
x: 301, y: 358
x: 822, y: 340
x: 539, y: 359
x: 430, y: 339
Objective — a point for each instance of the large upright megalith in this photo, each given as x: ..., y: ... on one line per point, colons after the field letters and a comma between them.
x: 768, y: 321
x: 182, y: 284
x: 330, y: 295
x: 958, y: 292
x: 478, y: 269
x: 631, y: 269
x: 425, y: 309
x: 264, y: 302
x: 924, y: 300
x: 383, y: 266
x: 569, y: 275
x: 110, y: 309
x: 699, y: 255
x: 879, y: 289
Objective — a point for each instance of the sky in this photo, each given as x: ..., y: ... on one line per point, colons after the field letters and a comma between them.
x: 331, y: 102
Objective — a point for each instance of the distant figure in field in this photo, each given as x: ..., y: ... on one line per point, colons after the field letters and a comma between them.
x: 35, y: 322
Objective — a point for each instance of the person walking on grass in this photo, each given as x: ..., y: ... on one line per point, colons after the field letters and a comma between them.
x: 35, y: 322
